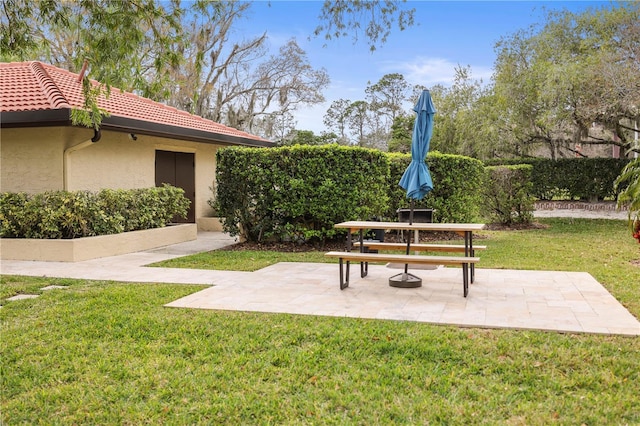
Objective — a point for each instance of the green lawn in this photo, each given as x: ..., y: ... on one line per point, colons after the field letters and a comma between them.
x: 109, y: 353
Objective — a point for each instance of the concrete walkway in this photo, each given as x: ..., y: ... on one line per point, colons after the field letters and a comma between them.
x: 582, y: 213
x: 541, y: 300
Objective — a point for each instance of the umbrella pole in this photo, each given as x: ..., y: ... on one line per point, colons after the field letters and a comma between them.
x: 407, y: 280
x: 411, y: 207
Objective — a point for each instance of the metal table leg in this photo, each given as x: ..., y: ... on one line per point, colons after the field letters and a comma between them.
x: 364, y: 266
x: 469, y: 252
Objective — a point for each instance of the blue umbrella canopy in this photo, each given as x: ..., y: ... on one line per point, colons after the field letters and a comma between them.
x: 416, y: 180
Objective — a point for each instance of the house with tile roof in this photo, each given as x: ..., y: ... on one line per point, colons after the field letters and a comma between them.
x: 141, y: 143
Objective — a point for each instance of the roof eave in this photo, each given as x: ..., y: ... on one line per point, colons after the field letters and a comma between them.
x: 141, y: 127
x: 62, y: 117
x: 35, y: 118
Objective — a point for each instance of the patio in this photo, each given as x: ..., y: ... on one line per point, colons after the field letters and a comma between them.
x: 541, y: 300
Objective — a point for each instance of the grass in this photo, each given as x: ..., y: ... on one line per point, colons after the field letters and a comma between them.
x: 109, y: 353
x: 235, y: 260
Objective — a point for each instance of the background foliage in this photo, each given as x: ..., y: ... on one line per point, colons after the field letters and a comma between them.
x: 571, y: 178
x: 298, y: 192
x: 186, y: 54
x: 507, y: 194
x: 629, y: 196
x: 64, y: 214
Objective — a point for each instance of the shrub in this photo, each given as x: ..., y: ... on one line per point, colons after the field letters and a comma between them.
x: 457, y: 182
x: 12, y: 212
x: 507, y: 194
x: 64, y: 214
x: 630, y: 196
x: 301, y: 192
x: 572, y: 178
x: 298, y: 192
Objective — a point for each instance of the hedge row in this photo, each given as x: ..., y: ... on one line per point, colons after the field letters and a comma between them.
x: 457, y: 182
x: 64, y: 214
x: 300, y: 192
x: 571, y: 178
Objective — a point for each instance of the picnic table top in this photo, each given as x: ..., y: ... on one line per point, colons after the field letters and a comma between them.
x: 453, y: 227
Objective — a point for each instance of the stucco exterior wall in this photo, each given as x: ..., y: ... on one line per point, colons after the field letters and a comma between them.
x: 114, y: 160
x: 31, y: 159
x: 34, y: 160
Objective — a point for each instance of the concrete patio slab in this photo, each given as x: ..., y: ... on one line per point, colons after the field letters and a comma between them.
x: 571, y: 302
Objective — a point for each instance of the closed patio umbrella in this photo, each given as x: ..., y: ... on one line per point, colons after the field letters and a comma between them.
x: 416, y: 180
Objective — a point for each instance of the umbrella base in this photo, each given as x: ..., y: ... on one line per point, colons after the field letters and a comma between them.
x: 405, y: 280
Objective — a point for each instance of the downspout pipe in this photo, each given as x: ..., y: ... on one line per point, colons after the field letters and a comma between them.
x: 66, y: 158
x: 97, y: 134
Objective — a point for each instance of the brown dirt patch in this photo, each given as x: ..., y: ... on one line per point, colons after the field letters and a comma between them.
x: 516, y: 226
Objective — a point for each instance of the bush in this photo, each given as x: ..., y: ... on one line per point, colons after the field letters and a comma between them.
x: 507, y: 194
x: 572, y: 178
x: 629, y: 197
x: 64, y: 214
x: 457, y: 182
x: 298, y: 192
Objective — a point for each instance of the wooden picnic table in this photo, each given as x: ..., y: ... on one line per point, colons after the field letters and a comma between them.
x: 463, y: 229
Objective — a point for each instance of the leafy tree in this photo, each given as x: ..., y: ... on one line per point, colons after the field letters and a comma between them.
x: 388, y: 96
x: 307, y: 137
x: 369, y: 122
x: 401, y: 134
x: 302, y: 137
x: 107, y: 34
x: 358, y: 120
x: 461, y: 125
x: 579, y: 69
x: 327, y: 138
x: 336, y: 118
x: 231, y: 82
x: 210, y: 56
x: 278, y: 125
x: 277, y: 86
x: 139, y: 45
x: 236, y: 83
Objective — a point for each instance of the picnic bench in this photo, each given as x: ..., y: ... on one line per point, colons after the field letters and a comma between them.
x: 376, y: 245
x: 467, y: 261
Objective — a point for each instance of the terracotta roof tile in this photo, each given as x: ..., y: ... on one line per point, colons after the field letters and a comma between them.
x: 32, y: 86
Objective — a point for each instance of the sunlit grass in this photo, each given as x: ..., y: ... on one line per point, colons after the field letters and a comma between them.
x: 110, y: 353
x: 240, y: 260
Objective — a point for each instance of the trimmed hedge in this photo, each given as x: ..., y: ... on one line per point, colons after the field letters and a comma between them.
x: 507, y: 194
x: 298, y: 192
x: 457, y: 182
x: 64, y: 214
x: 571, y: 178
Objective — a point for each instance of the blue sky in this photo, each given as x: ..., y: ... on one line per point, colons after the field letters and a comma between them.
x: 449, y: 33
